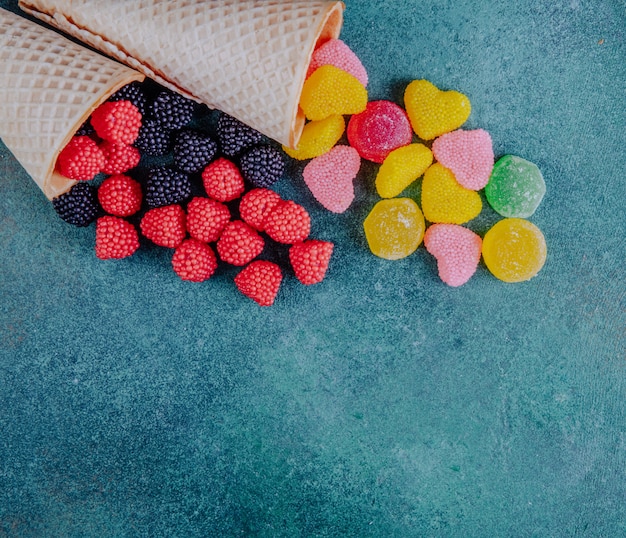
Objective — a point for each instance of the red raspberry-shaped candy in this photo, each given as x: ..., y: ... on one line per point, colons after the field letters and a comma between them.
x: 310, y: 260
x: 255, y: 206
x: 206, y: 219
x: 239, y: 243
x: 81, y: 159
x: 222, y: 180
x: 120, y: 158
x: 194, y: 260
x: 288, y: 223
x: 115, y: 238
x: 120, y: 195
x: 117, y: 121
x: 382, y: 127
x: 165, y: 226
x: 260, y: 282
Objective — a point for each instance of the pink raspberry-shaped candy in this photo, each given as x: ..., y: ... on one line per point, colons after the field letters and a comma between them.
x: 336, y: 52
x: 456, y: 249
x: 468, y: 155
x: 329, y: 177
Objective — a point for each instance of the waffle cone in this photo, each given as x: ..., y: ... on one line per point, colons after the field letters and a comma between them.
x: 248, y: 58
x: 48, y: 88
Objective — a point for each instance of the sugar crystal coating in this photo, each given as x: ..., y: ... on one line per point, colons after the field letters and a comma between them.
x: 330, y: 177
x: 514, y: 250
x: 434, y: 112
x: 516, y: 187
x: 318, y: 137
x: 457, y: 251
x: 468, y: 155
x: 444, y: 200
x: 401, y: 168
x: 329, y: 91
x: 336, y: 52
x: 382, y: 127
x: 394, y: 228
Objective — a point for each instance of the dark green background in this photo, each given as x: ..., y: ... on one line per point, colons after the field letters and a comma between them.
x: 380, y: 402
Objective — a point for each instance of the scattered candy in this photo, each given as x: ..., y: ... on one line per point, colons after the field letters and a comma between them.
x: 239, y: 243
x: 78, y: 206
x: 206, y: 219
x: 166, y: 186
x: 318, y: 137
x: 444, y: 200
x: 172, y: 110
x: 457, y: 251
x: 222, y: 180
x: 330, y: 177
x: 81, y: 159
x: 516, y: 187
x: 120, y: 158
x: 235, y: 137
x: 255, y: 205
x: 262, y: 166
x: 336, y: 52
x: 116, y: 238
x: 514, y: 250
x: 382, y: 127
x: 310, y: 260
x: 194, y: 261
x: 153, y: 138
x: 401, y: 168
x: 120, y: 195
x: 433, y: 112
x: 394, y: 228
x: 468, y: 155
x: 260, y: 282
x: 288, y: 223
x: 117, y: 121
x: 134, y: 93
x: 329, y: 91
x: 193, y: 151
x: 165, y: 226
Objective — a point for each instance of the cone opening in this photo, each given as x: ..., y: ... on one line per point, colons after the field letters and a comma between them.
x: 330, y: 28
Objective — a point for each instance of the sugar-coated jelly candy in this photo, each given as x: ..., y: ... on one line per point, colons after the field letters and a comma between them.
x: 330, y: 177
x: 382, y: 127
x: 329, y: 91
x: 514, y: 250
x: 516, y: 187
x: 444, y: 200
x: 457, y: 251
x: 336, y: 52
x: 318, y: 137
x: 468, y: 155
x: 394, y: 228
x: 401, y: 168
x: 434, y: 112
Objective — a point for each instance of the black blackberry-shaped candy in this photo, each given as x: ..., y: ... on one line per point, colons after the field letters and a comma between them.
x: 78, y: 206
x: 134, y: 93
x: 193, y: 151
x: 234, y: 136
x: 262, y: 166
x: 172, y: 110
x: 153, y: 139
x: 166, y: 186
x: 85, y: 129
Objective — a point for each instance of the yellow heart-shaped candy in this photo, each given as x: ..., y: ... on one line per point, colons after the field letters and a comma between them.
x: 433, y: 112
x: 444, y: 200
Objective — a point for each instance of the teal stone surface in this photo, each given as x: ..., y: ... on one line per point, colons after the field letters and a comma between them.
x: 380, y: 402
x: 516, y: 187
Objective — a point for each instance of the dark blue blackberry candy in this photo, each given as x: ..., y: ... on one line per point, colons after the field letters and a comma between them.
x: 234, y: 136
x: 153, y: 139
x: 85, y: 129
x: 262, y: 166
x: 172, y: 110
x: 134, y: 93
x: 166, y: 186
x: 78, y: 206
x: 193, y: 151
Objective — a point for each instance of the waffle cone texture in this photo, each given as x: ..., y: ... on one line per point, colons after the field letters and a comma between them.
x: 49, y: 86
x: 247, y: 58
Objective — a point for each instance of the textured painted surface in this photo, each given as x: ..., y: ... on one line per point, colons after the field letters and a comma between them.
x: 380, y: 402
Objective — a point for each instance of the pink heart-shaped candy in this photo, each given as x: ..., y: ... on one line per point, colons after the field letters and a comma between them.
x: 456, y: 249
x: 329, y: 177
x: 468, y: 155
